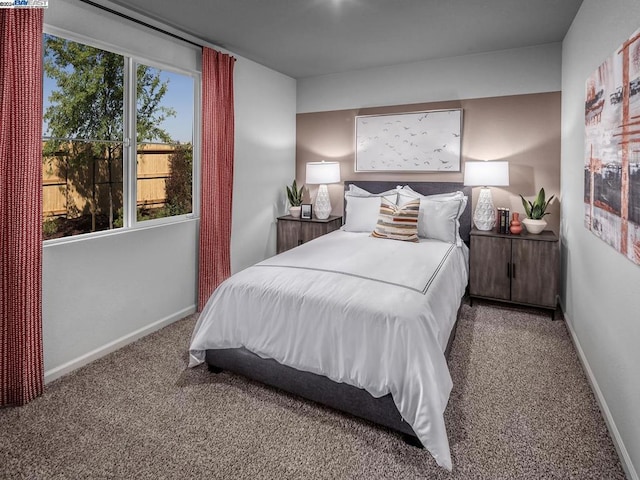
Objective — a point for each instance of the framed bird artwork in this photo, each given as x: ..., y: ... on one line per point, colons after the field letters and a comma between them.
x: 427, y: 141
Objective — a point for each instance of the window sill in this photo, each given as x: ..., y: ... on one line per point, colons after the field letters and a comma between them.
x: 146, y: 225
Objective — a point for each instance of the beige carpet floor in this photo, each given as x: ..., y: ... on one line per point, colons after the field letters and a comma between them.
x: 521, y: 408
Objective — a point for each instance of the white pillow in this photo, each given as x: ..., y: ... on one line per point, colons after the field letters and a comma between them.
x: 406, y: 194
x: 363, y: 207
x: 361, y: 213
x: 439, y: 214
x: 356, y: 191
x: 438, y: 219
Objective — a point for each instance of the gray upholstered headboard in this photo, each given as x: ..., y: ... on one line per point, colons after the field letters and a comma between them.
x: 425, y: 188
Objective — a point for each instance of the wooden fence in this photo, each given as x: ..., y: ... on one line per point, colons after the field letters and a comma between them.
x: 67, y: 192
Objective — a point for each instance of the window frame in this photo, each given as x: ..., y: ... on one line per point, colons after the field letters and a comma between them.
x: 129, y: 140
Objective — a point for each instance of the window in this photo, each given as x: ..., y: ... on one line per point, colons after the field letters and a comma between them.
x: 98, y: 132
x: 165, y: 147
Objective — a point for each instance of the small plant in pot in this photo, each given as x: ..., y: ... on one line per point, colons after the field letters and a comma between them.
x: 536, y: 210
x: 294, y: 195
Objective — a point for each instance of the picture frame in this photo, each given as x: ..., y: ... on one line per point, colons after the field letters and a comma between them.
x: 426, y: 141
x: 306, y: 211
x: 611, y: 164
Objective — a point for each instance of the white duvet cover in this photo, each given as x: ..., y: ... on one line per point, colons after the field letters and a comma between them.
x: 372, y: 313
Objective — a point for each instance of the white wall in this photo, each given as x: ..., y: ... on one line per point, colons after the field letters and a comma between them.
x: 601, y: 293
x: 495, y: 74
x: 103, y: 292
x: 265, y: 159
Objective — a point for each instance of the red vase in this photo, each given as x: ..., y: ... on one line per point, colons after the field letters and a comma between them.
x: 515, y: 227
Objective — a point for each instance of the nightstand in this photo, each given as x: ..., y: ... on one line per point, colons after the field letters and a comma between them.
x: 293, y: 231
x: 522, y: 269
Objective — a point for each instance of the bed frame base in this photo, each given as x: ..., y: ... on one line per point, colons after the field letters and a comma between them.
x: 317, y: 388
x: 412, y: 440
x: 311, y: 386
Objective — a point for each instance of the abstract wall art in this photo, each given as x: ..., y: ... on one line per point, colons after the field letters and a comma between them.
x: 409, y: 142
x: 612, y: 150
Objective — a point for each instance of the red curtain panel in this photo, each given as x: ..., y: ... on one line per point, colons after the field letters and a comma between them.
x: 216, y: 172
x: 21, y: 364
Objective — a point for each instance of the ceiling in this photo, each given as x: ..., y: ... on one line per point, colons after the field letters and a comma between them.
x: 304, y: 38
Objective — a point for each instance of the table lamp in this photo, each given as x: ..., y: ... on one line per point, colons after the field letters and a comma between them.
x: 485, y: 174
x: 321, y: 173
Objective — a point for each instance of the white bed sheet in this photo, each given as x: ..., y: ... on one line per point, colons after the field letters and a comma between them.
x: 372, y: 313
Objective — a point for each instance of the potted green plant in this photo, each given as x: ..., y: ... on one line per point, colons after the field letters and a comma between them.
x: 536, y: 211
x: 294, y: 195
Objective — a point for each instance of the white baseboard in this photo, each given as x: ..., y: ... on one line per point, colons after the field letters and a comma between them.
x: 625, y: 459
x: 89, y: 357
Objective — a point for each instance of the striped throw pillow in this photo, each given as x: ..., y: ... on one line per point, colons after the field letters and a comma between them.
x: 398, y: 223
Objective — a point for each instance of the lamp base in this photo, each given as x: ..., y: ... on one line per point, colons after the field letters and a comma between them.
x: 322, y: 207
x: 484, y: 217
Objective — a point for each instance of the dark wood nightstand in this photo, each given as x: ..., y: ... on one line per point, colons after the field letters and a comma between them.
x: 294, y: 231
x: 522, y: 269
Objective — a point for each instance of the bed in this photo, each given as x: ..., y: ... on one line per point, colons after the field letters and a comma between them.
x: 359, y: 324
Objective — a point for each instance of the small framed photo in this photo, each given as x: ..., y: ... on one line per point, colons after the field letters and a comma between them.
x: 306, y: 211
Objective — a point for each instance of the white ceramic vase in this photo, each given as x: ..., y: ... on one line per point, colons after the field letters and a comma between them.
x: 295, y: 211
x: 484, y: 217
x: 534, y: 226
x: 322, y: 207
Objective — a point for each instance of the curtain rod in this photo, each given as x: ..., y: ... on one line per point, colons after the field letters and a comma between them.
x: 140, y: 22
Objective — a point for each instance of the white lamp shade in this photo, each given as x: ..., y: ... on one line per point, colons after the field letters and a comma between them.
x: 322, y: 173
x: 484, y: 174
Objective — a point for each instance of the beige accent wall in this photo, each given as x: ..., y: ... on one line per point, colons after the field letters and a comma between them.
x: 521, y: 129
